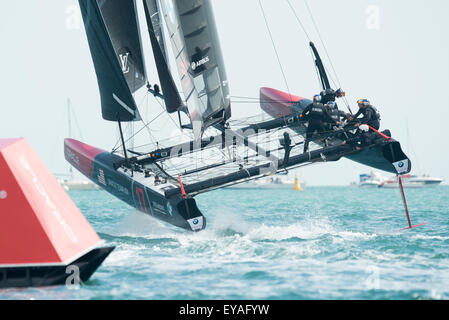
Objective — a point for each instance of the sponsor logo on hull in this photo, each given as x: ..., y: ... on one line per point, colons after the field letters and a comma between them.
x: 72, y: 157
x: 196, y: 223
x: 101, y: 177
x: 401, y: 166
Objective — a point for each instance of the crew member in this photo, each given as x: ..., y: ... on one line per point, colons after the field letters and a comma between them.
x: 370, y: 118
x: 370, y: 114
x: 331, y: 95
x: 336, y: 115
x: 317, y: 117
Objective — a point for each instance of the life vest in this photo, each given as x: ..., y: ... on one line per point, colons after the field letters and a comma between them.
x: 317, y: 111
x: 376, y: 112
x: 375, y: 117
x: 335, y: 114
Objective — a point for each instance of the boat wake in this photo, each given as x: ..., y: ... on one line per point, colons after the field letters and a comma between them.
x: 230, y: 236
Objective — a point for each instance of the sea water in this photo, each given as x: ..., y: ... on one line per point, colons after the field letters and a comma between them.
x: 321, y: 243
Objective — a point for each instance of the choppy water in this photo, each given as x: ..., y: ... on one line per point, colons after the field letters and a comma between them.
x: 322, y: 243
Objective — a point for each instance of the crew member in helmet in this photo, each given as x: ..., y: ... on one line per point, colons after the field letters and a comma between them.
x: 331, y: 95
x: 370, y: 118
x: 370, y: 114
x: 317, y: 117
x: 336, y: 115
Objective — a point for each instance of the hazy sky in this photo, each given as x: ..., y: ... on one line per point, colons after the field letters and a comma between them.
x: 393, y: 52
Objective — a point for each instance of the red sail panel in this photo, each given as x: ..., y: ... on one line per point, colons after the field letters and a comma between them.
x: 277, y: 103
x: 40, y: 224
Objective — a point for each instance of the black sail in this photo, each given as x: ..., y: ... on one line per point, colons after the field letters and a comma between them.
x: 194, y: 40
x: 120, y: 17
x: 173, y: 101
x: 117, y: 101
x: 155, y: 15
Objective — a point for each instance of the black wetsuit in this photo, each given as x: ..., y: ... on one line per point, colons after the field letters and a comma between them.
x: 336, y: 116
x: 328, y: 95
x: 369, y: 117
x: 317, y: 116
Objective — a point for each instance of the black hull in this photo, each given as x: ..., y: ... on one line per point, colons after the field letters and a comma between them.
x: 43, y: 276
x: 98, y: 166
x: 382, y: 155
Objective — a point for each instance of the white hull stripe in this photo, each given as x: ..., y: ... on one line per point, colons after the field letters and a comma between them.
x: 120, y: 102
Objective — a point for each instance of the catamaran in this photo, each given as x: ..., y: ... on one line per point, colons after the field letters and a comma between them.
x: 163, y: 180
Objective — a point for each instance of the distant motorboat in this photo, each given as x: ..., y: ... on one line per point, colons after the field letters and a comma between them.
x: 412, y: 181
x: 374, y: 179
x: 267, y: 183
x: 71, y: 184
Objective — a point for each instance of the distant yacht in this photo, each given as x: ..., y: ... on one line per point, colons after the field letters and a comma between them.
x: 276, y: 182
x: 412, y: 181
x: 72, y: 184
x: 374, y: 179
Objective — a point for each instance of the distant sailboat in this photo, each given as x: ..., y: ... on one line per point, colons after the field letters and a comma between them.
x: 68, y: 181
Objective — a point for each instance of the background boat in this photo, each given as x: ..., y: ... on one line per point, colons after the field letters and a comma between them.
x: 69, y: 181
x: 273, y: 182
x: 412, y: 181
x: 377, y: 180
x: 374, y: 179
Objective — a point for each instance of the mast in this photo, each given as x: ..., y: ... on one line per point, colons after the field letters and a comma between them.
x: 69, y: 120
x: 320, y: 66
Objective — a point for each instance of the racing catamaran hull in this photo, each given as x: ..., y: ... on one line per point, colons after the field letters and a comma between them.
x: 98, y: 165
x: 388, y: 157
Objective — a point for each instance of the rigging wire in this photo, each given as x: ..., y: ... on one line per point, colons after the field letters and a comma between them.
x: 148, y: 129
x: 325, y: 50
x: 322, y: 42
x: 163, y: 109
x: 274, y: 47
x: 299, y: 21
x: 308, y: 37
x: 145, y: 126
x: 116, y: 146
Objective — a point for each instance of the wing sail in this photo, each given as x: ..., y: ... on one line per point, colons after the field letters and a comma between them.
x: 121, y: 21
x: 118, y: 64
x: 173, y: 101
x: 195, y: 44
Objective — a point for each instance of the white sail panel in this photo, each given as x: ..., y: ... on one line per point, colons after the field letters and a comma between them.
x: 199, y: 61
